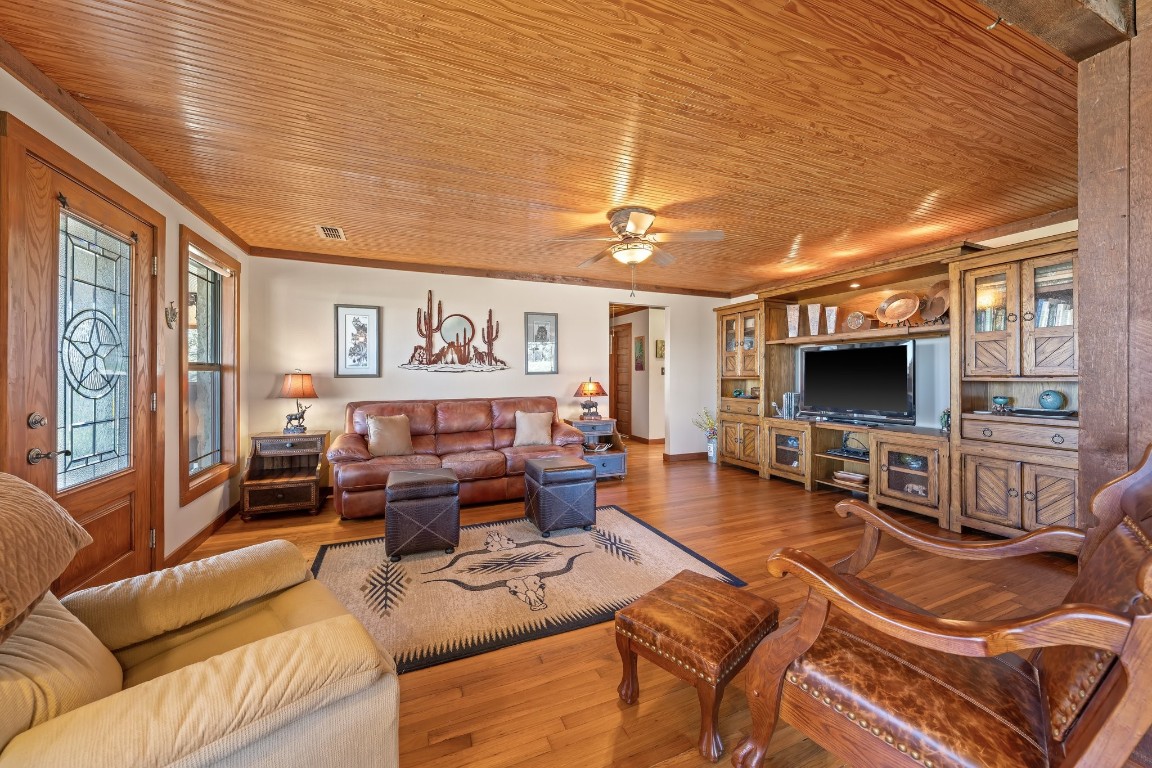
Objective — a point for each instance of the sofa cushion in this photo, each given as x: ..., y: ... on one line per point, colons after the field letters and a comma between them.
x: 421, y: 415
x: 476, y: 465
x: 38, y: 539
x: 50, y: 665
x: 363, y: 475
x: 463, y: 416
x: 516, y: 456
x: 533, y: 429
x: 297, y: 606
x: 504, y: 415
x: 389, y: 435
x: 461, y: 442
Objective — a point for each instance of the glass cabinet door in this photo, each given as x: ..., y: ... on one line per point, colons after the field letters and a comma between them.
x: 787, y: 450
x: 730, y: 354
x: 749, y: 344
x: 909, y: 472
x: 991, y: 298
x: 1048, y: 323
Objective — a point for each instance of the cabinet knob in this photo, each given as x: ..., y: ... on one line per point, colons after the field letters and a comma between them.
x: 1029, y: 495
x: 1058, y: 438
x: 289, y: 445
x: 1029, y: 316
x: 280, y: 495
x: 1011, y: 317
x: 986, y: 432
x: 1013, y: 493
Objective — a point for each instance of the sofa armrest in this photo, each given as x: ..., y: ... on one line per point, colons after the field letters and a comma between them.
x: 133, y: 610
x: 213, y: 708
x: 566, y: 434
x: 350, y: 446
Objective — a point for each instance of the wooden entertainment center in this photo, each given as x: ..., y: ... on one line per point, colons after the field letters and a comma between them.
x: 1011, y: 327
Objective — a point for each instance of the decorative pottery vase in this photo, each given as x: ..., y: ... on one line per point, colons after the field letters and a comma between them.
x: 1000, y: 404
x: 830, y: 318
x: 712, y: 451
x: 793, y: 311
x: 814, y: 319
x: 1051, y: 400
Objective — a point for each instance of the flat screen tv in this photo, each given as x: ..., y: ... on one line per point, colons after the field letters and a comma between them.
x: 860, y: 383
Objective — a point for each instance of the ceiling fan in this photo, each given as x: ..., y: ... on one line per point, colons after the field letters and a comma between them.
x: 633, y: 242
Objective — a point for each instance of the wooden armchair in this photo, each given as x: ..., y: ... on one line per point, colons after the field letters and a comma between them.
x: 879, y: 682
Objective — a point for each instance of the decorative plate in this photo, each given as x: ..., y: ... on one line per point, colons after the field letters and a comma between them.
x: 856, y: 321
x: 898, y: 307
x: 937, y: 301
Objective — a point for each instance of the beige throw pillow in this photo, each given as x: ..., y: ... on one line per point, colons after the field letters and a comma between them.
x: 533, y: 428
x: 389, y: 436
x: 37, y: 541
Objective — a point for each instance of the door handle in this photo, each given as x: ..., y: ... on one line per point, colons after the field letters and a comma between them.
x: 35, y: 456
x: 37, y: 420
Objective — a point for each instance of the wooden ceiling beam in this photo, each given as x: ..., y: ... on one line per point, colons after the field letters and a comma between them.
x: 1077, y: 28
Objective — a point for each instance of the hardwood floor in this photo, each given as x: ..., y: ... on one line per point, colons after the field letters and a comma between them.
x: 553, y: 702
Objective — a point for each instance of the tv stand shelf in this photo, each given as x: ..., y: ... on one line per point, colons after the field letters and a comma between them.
x: 907, y: 466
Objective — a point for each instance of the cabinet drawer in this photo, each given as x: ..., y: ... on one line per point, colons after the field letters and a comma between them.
x: 607, y: 464
x: 280, y: 497
x: 289, y: 444
x: 591, y: 427
x: 1038, y: 436
x: 745, y: 407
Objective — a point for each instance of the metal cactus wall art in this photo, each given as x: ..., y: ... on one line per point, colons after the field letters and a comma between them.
x: 457, y: 353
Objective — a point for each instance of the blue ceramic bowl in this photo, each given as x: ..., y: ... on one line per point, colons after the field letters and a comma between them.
x: 1000, y: 400
x: 1051, y: 400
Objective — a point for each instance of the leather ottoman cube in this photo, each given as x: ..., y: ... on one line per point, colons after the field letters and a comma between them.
x: 422, y: 512
x: 560, y: 493
x: 700, y: 629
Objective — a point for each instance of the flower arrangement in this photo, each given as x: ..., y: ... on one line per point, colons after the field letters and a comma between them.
x: 706, y: 423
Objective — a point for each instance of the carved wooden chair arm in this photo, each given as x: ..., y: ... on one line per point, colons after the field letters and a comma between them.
x: 1051, y: 539
x: 1068, y: 624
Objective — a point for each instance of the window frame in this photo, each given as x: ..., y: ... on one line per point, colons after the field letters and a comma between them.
x: 193, y: 246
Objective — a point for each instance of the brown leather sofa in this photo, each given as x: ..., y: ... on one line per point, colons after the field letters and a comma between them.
x: 473, y: 437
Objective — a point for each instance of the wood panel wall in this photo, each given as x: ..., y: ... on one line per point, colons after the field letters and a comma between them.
x: 1115, y: 133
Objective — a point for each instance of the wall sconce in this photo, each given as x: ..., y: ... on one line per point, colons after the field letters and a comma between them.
x: 171, y: 314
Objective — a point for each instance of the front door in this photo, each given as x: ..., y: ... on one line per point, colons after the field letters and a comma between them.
x: 620, y: 386
x: 81, y: 321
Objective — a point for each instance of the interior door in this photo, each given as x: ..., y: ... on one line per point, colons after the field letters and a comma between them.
x: 82, y: 309
x: 620, y: 392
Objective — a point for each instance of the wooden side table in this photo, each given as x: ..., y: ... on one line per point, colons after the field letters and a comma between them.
x: 283, y: 473
x: 610, y: 462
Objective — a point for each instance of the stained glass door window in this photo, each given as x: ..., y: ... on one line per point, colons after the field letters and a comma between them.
x: 94, y: 340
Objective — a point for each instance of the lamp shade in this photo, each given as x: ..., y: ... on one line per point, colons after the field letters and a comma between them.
x: 631, y: 251
x: 298, y: 385
x: 590, y: 389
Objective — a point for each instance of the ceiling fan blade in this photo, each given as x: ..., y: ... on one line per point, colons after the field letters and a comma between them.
x: 661, y: 257
x: 638, y: 222
x: 583, y: 239
x: 699, y: 235
x: 596, y: 258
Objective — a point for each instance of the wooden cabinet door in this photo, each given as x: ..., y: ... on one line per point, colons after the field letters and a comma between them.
x: 749, y: 343
x: 1048, y: 316
x: 750, y: 443
x: 730, y: 346
x: 729, y: 442
x: 786, y: 449
x: 992, y: 490
x: 908, y: 472
x: 1049, y: 496
x: 992, y: 321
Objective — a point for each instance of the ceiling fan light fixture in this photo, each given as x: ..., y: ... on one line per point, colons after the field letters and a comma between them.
x: 633, y: 252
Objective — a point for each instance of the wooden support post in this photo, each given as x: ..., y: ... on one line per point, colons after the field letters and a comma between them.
x: 1077, y: 28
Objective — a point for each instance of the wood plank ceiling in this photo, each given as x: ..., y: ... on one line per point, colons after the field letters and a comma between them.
x: 466, y: 134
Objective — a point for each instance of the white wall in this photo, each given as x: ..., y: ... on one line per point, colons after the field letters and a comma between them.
x: 291, y: 306
x: 657, y: 382
x: 180, y: 523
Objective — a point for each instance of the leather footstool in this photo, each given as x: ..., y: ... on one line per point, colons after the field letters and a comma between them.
x: 560, y: 493
x: 699, y: 629
x: 421, y: 512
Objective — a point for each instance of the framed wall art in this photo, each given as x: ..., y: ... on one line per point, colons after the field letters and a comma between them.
x: 357, y: 341
x: 639, y: 352
x: 659, y: 349
x: 541, y: 343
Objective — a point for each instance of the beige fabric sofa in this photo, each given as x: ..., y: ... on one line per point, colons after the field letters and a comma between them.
x: 237, y: 660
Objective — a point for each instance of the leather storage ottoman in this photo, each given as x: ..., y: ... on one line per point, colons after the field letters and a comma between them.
x: 560, y: 493
x: 421, y: 512
x: 700, y: 629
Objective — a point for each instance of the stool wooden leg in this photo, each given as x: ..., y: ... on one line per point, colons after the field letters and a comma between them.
x: 711, y: 746
x: 629, y: 683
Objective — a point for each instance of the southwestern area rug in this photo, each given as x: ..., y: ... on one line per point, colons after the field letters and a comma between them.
x: 505, y: 584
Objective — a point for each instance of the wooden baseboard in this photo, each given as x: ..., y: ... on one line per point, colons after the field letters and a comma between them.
x: 702, y: 455
x: 646, y: 441
x: 189, y: 546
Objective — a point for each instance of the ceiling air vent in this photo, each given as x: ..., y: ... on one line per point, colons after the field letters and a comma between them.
x: 331, y: 233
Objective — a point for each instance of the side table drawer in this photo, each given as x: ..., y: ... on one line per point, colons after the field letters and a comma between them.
x: 1038, y: 435
x: 289, y: 445
x: 741, y: 406
x: 280, y: 497
x: 593, y: 427
x: 607, y: 464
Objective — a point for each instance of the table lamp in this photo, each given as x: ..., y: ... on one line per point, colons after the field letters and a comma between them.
x: 297, y: 385
x: 590, y: 389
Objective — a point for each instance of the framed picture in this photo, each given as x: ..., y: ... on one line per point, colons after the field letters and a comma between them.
x: 357, y: 341
x: 541, y: 350
x: 638, y: 352
x: 659, y: 349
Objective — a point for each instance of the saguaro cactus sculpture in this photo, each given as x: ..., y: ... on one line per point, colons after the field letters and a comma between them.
x: 489, y: 335
x: 426, y: 328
